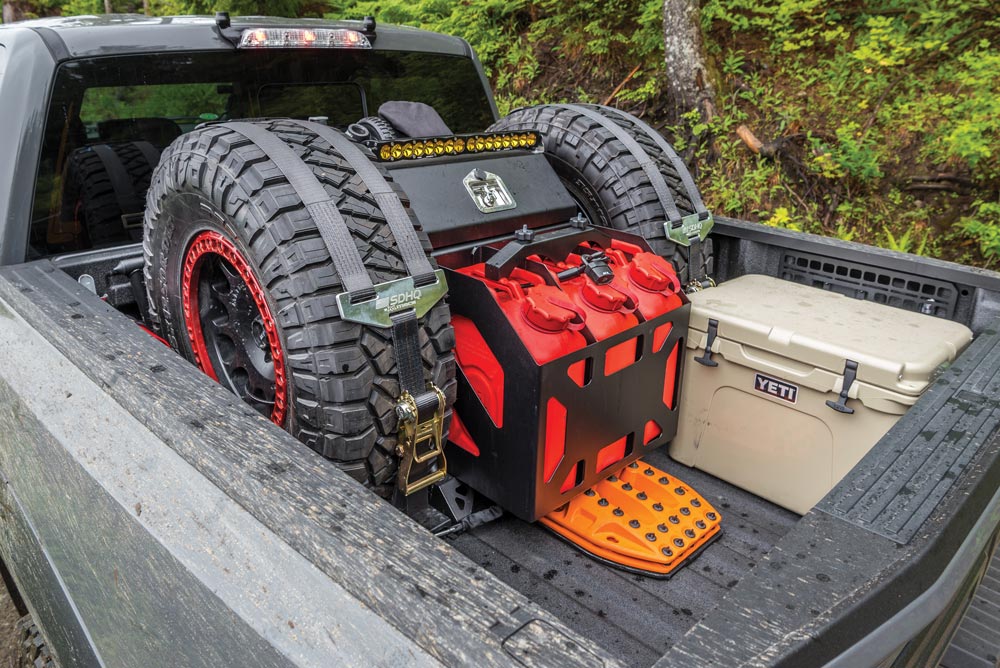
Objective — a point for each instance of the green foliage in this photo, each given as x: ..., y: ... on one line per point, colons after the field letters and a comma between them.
x: 855, y: 153
x: 983, y: 227
x: 862, y: 98
x: 790, y: 25
x: 83, y: 7
x: 973, y: 131
x: 911, y: 240
x: 172, y: 101
x: 539, y: 51
x: 866, y: 100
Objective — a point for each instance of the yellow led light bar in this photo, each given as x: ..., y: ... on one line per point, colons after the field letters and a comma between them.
x: 411, y: 149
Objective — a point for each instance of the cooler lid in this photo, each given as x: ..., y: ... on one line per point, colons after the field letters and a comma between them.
x: 894, y: 349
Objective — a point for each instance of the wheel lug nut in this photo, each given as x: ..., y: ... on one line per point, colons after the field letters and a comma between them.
x: 634, y: 524
x: 259, y: 333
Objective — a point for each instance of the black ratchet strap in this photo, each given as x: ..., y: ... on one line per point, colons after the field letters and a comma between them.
x: 121, y: 183
x: 421, y: 417
x: 150, y: 152
x: 331, y: 225
x: 645, y: 161
x: 405, y: 330
x: 406, y: 333
x: 695, y: 258
x: 400, y: 224
x: 675, y: 218
x: 682, y: 171
x: 421, y: 406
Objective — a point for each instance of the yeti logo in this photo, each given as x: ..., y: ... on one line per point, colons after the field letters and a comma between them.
x: 488, y: 191
x: 776, y: 388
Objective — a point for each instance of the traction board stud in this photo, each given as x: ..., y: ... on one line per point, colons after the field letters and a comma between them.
x: 640, y: 519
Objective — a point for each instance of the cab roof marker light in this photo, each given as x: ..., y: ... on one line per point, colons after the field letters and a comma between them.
x: 290, y: 38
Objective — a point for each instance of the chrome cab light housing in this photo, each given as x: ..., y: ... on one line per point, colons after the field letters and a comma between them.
x: 296, y: 38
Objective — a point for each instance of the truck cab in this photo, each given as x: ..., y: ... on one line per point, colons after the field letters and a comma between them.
x: 150, y: 517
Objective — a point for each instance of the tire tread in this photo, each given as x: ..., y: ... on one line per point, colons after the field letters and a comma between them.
x: 333, y: 365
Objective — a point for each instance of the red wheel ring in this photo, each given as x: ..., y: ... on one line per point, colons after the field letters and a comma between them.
x: 213, y: 243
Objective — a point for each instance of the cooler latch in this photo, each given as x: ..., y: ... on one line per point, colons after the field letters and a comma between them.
x: 713, y: 331
x: 850, y: 375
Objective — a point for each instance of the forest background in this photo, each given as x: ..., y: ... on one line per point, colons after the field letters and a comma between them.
x: 876, y: 122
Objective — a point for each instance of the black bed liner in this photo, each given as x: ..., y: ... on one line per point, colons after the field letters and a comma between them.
x: 634, y: 618
x: 348, y: 534
x: 836, y: 586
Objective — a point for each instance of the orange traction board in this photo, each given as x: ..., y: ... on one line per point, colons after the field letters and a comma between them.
x: 640, y: 519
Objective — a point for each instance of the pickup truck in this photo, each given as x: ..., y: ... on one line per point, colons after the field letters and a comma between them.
x: 151, y: 516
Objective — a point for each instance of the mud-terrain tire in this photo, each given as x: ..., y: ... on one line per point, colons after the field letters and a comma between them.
x: 90, y: 196
x: 216, y: 186
x: 604, y: 177
x: 34, y: 652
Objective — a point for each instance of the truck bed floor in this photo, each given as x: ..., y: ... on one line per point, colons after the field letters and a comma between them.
x: 635, y: 618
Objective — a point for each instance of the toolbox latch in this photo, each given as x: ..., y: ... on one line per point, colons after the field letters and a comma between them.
x: 850, y: 375
x: 713, y: 331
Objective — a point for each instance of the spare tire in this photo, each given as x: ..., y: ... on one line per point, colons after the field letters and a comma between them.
x: 607, y: 179
x: 106, y: 189
x: 242, y: 283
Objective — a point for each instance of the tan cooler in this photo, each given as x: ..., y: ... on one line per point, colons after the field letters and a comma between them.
x: 766, y: 410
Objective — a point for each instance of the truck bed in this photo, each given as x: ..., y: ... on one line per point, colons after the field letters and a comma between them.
x: 635, y: 618
x: 885, y: 561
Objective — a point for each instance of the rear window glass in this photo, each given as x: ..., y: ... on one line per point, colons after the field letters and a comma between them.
x: 111, y: 117
x: 337, y: 101
x: 184, y: 104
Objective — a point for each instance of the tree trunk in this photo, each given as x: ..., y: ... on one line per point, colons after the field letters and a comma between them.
x: 688, y: 86
x: 145, y: 7
x: 108, y: 9
x: 11, y: 12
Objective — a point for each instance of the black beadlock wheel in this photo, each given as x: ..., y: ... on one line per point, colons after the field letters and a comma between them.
x: 241, y: 282
x: 606, y: 180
